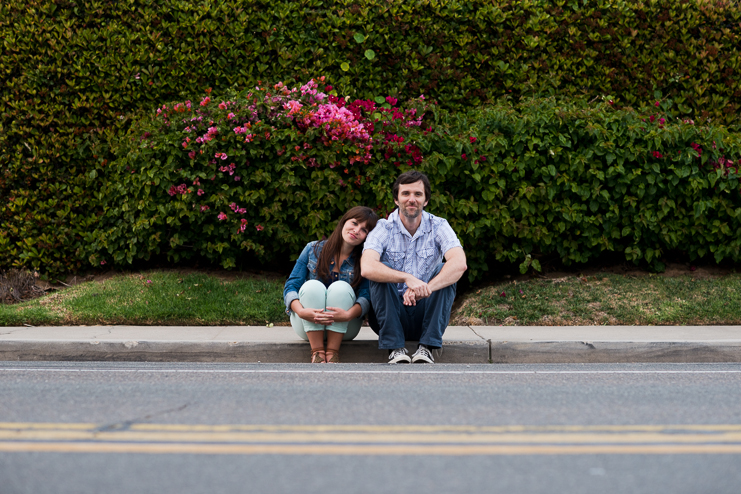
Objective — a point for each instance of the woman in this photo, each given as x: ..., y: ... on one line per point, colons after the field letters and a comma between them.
x: 325, y: 290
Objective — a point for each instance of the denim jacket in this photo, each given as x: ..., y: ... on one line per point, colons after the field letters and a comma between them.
x: 305, y: 269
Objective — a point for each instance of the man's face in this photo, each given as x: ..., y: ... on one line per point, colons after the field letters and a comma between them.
x: 411, y: 199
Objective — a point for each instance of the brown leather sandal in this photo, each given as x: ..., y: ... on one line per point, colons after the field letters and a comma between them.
x: 318, y: 356
x: 335, y: 356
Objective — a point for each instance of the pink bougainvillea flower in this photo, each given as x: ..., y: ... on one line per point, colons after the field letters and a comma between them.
x: 463, y: 156
x: 222, y: 106
x: 661, y: 121
x: 237, y: 178
x: 259, y: 228
x: 230, y: 116
x: 652, y: 118
x: 472, y: 139
x: 204, y: 208
x: 192, y: 155
x: 657, y: 154
x: 205, y: 101
x: 222, y: 216
x: 243, y: 226
x: 391, y: 100
x: 656, y: 104
x: 102, y: 263
x: 502, y: 294
x: 149, y: 282
x: 200, y: 192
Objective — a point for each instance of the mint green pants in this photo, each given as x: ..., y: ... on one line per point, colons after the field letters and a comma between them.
x: 314, y: 295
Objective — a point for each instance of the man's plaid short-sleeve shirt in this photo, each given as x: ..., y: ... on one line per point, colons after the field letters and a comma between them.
x: 417, y: 255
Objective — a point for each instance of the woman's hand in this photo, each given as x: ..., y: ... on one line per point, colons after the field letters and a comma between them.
x: 340, y: 315
x: 317, y: 316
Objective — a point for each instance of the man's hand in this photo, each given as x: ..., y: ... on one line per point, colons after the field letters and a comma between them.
x: 420, y: 288
x: 409, y: 298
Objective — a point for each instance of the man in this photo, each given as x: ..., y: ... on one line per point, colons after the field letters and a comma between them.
x: 411, y: 290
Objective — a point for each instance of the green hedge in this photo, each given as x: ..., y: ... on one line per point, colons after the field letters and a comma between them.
x: 71, y: 73
x: 573, y: 180
x: 254, y: 174
x: 567, y: 179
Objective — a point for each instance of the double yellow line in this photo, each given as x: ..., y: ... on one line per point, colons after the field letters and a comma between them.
x: 368, y: 440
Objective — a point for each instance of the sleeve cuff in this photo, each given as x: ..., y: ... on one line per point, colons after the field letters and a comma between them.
x: 290, y: 297
x: 364, y: 305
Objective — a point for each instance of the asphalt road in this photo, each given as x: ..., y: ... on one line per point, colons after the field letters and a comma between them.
x: 217, y: 428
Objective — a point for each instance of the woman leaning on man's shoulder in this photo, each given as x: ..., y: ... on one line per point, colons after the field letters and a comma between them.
x: 325, y: 294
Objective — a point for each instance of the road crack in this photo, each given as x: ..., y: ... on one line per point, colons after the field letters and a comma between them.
x: 126, y: 424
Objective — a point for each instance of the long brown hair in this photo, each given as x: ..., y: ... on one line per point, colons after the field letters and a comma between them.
x: 333, y: 246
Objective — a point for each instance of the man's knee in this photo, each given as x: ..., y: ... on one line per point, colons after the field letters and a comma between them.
x: 437, y: 269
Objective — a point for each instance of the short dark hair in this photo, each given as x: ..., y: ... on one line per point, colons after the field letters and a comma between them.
x: 411, y: 177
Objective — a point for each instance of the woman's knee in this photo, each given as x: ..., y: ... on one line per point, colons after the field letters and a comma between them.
x: 312, y: 286
x: 341, y: 294
x: 313, y: 295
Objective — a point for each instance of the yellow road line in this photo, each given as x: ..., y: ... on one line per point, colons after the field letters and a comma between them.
x: 334, y: 438
x: 431, y: 428
x: 370, y: 440
x: 380, y: 428
x: 366, y: 450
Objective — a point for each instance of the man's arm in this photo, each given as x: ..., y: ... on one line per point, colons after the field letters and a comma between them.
x: 453, y: 269
x: 450, y: 273
x: 373, y: 269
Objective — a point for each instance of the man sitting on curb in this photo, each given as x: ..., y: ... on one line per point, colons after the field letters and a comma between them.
x: 411, y: 290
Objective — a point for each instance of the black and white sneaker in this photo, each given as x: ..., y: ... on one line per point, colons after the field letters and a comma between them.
x: 399, y: 356
x: 423, y: 355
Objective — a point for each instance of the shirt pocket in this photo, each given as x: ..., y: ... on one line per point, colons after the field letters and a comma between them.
x: 396, y: 260
x: 311, y: 266
x: 425, y: 258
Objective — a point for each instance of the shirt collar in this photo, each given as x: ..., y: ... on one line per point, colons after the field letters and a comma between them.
x: 424, y: 227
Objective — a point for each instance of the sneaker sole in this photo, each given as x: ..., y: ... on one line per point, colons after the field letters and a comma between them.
x: 406, y: 360
x: 422, y: 360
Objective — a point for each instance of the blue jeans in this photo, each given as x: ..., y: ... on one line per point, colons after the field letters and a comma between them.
x: 396, y: 323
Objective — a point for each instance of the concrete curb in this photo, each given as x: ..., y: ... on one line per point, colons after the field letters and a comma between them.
x: 461, y: 344
x: 209, y: 344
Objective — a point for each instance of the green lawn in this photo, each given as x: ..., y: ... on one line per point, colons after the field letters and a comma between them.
x: 607, y: 299
x: 159, y: 298
x: 166, y: 298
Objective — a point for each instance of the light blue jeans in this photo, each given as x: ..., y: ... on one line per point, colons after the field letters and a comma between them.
x: 314, y: 295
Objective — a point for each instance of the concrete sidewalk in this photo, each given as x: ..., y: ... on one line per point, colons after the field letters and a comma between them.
x: 462, y: 344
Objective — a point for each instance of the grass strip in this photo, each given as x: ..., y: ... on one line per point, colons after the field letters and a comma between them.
x: 167, y: 299
x: 608, y: 299
x: 155, y: 298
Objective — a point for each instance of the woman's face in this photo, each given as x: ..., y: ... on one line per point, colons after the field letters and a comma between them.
x: 354, y: 232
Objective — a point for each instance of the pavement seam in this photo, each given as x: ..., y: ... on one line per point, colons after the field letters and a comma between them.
x: 487, y: 340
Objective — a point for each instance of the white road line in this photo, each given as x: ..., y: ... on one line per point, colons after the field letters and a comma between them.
x: 340, y: 371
